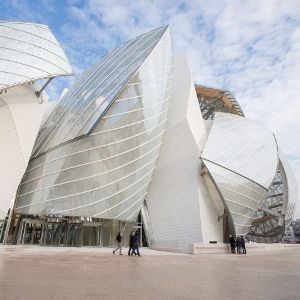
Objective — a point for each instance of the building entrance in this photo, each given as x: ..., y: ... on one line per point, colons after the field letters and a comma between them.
x: 91, y: 234
x: 72, y: 231
x: 30, y: 231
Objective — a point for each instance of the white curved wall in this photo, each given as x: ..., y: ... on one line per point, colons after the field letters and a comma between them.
x: 179, y: 207
x: 20, y: 118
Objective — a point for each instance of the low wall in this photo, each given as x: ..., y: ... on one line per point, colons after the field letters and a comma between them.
x: 251, y: 248
x: 199, y: 248
x: 171, y: 246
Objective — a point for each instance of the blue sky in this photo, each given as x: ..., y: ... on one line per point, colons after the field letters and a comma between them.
x: 250, y: 47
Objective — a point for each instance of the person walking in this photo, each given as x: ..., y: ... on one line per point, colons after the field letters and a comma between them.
x: 243, y: 245
x: 238, y: 245
x: 232, y: 243
x: 136, y: 244
x: 131, y: 238
x: 119, y: 244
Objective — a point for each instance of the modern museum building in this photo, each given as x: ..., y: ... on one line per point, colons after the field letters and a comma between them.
x: 134, y: 144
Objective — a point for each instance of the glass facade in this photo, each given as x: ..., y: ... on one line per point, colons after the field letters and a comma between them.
x: 278, y: 207
x: 242, y: 197
x: 291, y: 187
x: 242, y: 146
x: 106, y: 173
x: 268, y: 225
x: 89, y: 99
x: 242, y: 159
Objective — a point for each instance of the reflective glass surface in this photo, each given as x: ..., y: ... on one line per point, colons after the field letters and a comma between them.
x: 80, y: 109
x: 241, y: 196
x: 106, y: 174
x: 242, y: 146
x: 291, y: 187
x: 29, y: 52
x: 277, y: 210
x: 267, y: 225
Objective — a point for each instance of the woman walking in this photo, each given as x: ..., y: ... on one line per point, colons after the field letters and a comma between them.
x: 119, y: 244
x: 232, y: 243
x: 238, y: 245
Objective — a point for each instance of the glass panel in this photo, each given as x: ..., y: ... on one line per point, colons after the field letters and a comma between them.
x: 242, y: 146
x: 78, y: 111
x: 107, y: 173
x: 241, y: 196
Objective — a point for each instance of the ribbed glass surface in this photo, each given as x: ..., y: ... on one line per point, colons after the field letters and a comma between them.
x: 278, y: 208
x: 242, y: 146
x: 268, y: 225
x: 106, y: 174
x: 241, y: 196
x: 80, y: 109
x: 291, y: 187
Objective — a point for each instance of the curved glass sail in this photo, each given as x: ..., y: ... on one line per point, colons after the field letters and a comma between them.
x: 241, y: 196
x: 277, y: 209
x: 90, y: 98
x: 106, y: 173
x: 29, y: 52
x: 242, y: 146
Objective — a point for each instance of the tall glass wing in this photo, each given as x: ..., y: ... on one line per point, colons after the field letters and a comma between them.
x: 105, y: 173
x: 90, y: 98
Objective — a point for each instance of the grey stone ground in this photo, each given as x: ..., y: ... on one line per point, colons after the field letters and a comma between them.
x: 91, y: 273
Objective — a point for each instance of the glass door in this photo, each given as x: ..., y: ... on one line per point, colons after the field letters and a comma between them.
x: 91, y: 234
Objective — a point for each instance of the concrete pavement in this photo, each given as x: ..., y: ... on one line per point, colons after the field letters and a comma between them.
x: 93, y: 273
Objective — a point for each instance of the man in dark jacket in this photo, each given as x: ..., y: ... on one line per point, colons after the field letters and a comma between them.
x: 232, y: 243
x: 243, y: 245
x: 131, y: 240
x: 136, y: 244
x: 238, y: 245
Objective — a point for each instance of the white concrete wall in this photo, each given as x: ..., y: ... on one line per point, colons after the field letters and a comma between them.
x: 211, y: 207
x: 178, y: 198
x: 20, y: 117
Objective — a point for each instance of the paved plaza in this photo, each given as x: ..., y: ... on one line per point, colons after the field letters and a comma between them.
x: 91, y: 273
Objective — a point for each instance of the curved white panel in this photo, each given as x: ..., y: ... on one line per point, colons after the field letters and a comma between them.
x: 183, y: 207
x: 29, y: 52
x: 17, y: 135
x: 242, y: 146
